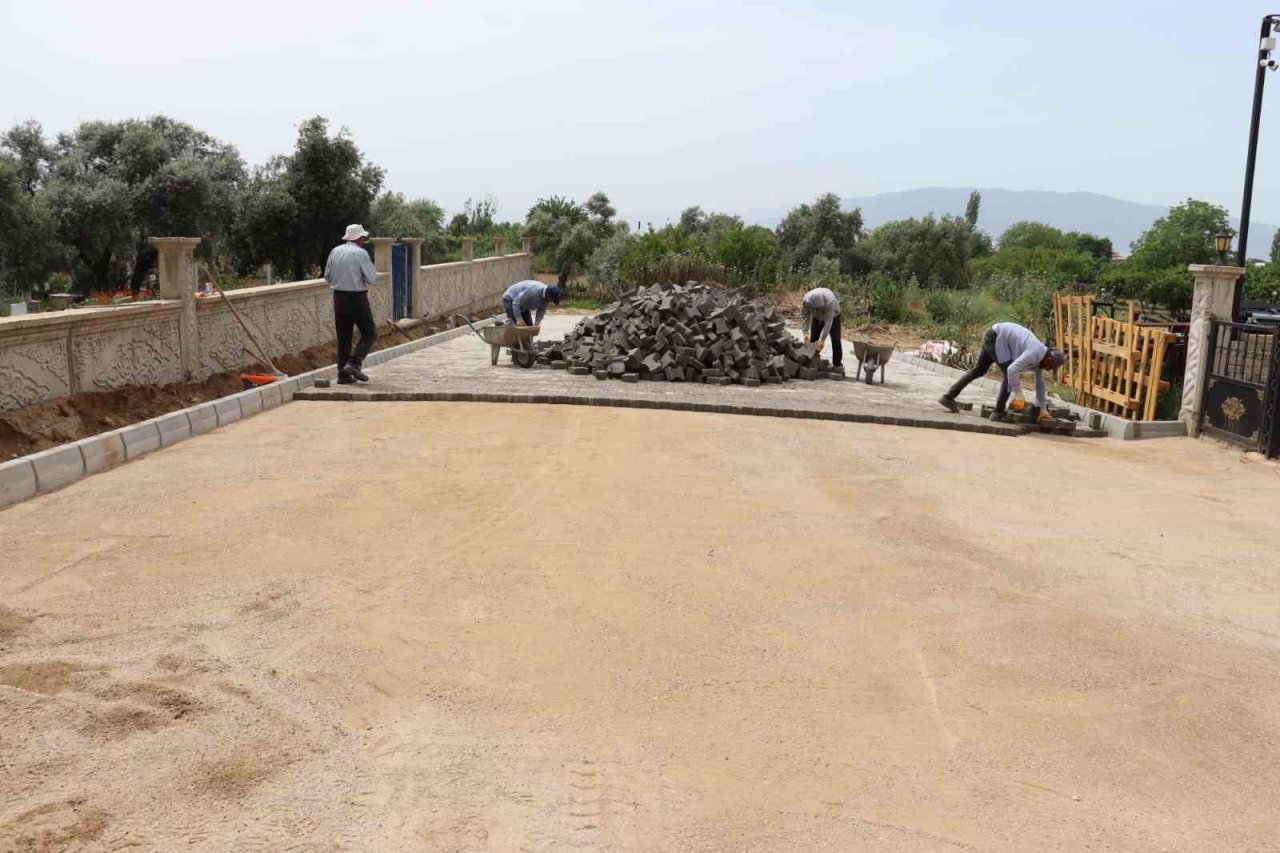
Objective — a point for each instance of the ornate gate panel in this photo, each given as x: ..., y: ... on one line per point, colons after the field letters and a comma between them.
x: 1239, y: 403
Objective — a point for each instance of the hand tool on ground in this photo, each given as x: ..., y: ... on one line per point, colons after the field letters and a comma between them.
x: 262, y: 351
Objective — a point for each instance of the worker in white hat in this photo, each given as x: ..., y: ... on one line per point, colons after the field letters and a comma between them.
x: 349, y: 272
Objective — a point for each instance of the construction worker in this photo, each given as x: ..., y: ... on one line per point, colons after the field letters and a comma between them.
x: 524, y: 298
x: 349, y: 272
x: 1015, y: 349
x: 821, y: 309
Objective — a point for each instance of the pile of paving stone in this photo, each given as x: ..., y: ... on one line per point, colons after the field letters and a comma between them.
x: 687, y: 333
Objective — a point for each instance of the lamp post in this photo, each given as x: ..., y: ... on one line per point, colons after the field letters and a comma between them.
x: 1266, y: 62
x: 1223, y: 244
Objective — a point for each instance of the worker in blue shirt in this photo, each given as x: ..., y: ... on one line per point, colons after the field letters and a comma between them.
x: 524, y: 298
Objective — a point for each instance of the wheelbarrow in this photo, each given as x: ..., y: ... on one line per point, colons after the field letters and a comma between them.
x: 872, y: 357
x: 518, y: 339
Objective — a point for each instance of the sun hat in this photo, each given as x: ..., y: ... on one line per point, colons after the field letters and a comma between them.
x: 355, y: 232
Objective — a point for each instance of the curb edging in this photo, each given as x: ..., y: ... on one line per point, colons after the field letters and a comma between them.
x: 48, y: 470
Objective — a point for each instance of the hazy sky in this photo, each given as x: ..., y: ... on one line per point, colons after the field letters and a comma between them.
x: 740, y: 106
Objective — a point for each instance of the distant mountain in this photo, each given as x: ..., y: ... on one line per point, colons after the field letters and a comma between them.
x: 1122, y: 221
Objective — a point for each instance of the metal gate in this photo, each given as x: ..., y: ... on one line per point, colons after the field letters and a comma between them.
x: 1240, y: 395
x: 402, y: 276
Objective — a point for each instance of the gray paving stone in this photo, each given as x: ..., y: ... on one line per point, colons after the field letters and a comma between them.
x: 203, y: 418
x: 57, y: 467
x: 102, y: 451
x: 173, y: 427
x: 17, y: 481
x: 140, y: 439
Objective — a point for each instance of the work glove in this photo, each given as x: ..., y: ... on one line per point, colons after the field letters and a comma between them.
x: 821, y: 345
x: 1043, y: 415
x: 1018, y: 406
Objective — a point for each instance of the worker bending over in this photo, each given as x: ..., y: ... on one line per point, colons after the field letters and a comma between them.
x: 821, y: 310
x: 524, y: 298
x: 1016, y: 349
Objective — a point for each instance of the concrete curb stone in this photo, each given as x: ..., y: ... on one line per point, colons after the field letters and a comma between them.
x: 173, y: 427
x: 57, y: 467
x: 203, y: 418
x: 250, y: 402
x: 228, y: 410
x: 272, y: 397
x: 17, y: 481
x: 140, y: 439
x: 102, y: 451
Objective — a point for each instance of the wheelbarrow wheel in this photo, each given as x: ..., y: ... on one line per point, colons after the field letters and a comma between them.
x: 869, y: 367
x: 523, y: 358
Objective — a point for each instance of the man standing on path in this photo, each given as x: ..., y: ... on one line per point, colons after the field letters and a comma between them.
x: 525, y: 297
x: 822, y: 310
x: 1016, y: 349
x: 349, y: 272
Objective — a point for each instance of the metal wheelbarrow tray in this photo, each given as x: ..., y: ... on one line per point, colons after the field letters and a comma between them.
x: 518, y: 339
x: 872, y: 357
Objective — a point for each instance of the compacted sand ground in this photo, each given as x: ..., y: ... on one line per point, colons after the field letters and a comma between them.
x: 384, y: 627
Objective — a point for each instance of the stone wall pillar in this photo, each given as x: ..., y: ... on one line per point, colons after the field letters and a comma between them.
x: 1214, y: 289
x: 382, y: 253
x: 177, y: 273
x: 499, y: 247
x: 526, y: 244
x: 468, y: 248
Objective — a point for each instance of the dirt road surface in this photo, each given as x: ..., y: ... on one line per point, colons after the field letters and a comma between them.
x: 384, y: 627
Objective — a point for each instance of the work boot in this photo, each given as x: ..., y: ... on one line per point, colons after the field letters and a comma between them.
x: 948, y: 404
x: 344, y: 379
x: 354, y: 371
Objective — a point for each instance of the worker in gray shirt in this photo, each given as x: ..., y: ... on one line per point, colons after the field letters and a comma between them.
x: 1016, y: 350
x: 820, y: 319
x: 349, y: 272
x: 524, y: 298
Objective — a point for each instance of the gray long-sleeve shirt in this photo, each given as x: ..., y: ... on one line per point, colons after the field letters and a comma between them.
x: 1018, y: 347
x: 350, y: 268
x: 528, y: 295
x: 822, y: 303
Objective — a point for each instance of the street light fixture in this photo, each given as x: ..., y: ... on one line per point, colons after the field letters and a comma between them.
x: 1267, y: 61
x: 1223, y: 244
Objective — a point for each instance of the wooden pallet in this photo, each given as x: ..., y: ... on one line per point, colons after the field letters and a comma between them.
x: 1113, y: 365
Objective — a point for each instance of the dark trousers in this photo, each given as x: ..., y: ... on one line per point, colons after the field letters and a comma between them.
x: 510, y: 305
x: 837, y: 350
x: 351, y: 311
x: 986, y: 358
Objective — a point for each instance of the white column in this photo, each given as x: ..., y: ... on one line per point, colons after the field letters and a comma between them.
x: 177, y: 274
x: 1214, y: 289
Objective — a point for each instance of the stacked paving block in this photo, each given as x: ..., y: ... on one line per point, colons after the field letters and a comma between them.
x: 687, y: 333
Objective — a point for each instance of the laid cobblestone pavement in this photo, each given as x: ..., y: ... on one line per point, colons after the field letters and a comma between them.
x: 459, y: 370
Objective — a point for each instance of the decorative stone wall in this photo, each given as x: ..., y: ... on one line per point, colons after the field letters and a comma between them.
x: 47, y: 356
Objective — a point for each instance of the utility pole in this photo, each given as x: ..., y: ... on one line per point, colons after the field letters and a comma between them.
x: 1266, y: 46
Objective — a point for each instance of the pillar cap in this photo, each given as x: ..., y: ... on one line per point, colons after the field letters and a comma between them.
x: 174, y: 241
x: 1216, y: 270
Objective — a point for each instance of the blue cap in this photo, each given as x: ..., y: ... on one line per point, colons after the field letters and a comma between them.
x: 553, y: 293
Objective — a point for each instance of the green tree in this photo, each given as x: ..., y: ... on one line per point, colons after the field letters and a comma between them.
x: 1091, y: 245
x: 568, y: 234
x: 822, y: 229
x: 745, y: 248
x: 30, y: 249
x: 932, y: 251
x: 1275, y: 247
x: 972, y: 207
x: 112, y: 185
x: 395, y: 216
x: 295, y: 208
x: 1185, y: 235
x: 1034, y: 235
x: 693, y: 220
